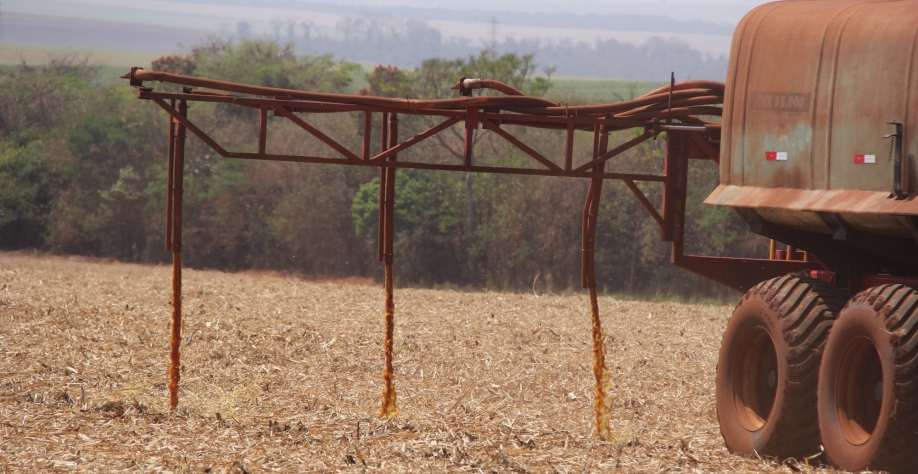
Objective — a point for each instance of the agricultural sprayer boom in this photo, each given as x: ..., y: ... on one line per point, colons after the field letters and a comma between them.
x: 674, y: 111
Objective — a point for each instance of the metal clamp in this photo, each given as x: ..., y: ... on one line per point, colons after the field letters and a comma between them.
x: 133, y: 78
x: 900, y: 166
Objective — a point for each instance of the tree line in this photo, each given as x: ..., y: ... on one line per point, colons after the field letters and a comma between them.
x: 408, y: 42
x: 82, y: 167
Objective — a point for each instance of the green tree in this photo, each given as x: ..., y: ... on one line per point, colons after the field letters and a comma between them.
x: 430, y: 242
x: 35, y: 100
x: 435, y: 78
x: 101, y: 211
x: 175, y: 64
x: 390, y: 81
x: 265, y: 63
x: 25, y: 195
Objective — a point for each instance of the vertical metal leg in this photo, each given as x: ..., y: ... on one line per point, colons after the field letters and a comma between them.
x: 674, y: 192
x: 170, y: 174
x: 178, y: 182
x: 388, y: 408
x: 602, y: 403
x: 383, y: 176
x: 381, y: 230
x: 387, y: 228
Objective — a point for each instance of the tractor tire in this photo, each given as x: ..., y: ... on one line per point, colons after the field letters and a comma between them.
x: 768, y: 367
x: 868, y: 383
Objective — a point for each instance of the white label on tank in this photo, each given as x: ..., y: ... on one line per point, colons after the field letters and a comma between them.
x: 782, y: 156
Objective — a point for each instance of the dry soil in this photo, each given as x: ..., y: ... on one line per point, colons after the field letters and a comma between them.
x: 284, y: 375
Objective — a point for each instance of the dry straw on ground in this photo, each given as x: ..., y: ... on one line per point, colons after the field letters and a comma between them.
x: 284, y: 375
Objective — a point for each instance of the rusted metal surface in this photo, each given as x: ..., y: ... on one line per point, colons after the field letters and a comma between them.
x: 467, y: 166
x: 805, y: 200
x: 740, y: 274
x: 388, y: 407
x: 317, y: 101
x: 601, y: 402
x: 170, y: 173
x: 465, y: 86
x: 872, y: 281
x: 812, y: 89
x: 387, y: 236
x: 176, y: 245
x: 816, y: 148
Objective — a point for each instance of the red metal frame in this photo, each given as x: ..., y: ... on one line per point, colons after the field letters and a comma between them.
x: 653, y: 114
x: 740, y: 274
x: 491, y: 121
x: 690, y: 139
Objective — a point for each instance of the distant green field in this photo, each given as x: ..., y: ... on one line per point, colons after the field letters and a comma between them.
x: 112, y: 64
x: 584, y: 90
x: 109, y: 63
x: 16, y: 53
x: 574, y: 90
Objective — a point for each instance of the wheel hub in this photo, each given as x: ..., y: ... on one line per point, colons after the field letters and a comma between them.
x: 755, y: 378
x: 859, y: 390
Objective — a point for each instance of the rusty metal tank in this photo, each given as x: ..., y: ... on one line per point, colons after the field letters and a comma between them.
x: 813, y: 86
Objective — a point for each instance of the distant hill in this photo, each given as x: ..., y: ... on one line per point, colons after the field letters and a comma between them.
x: 628, y: 22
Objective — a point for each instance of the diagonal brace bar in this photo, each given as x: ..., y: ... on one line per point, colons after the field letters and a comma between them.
x: 316, y: 133
x: 712, y: 153
x: 644, y: 201
x: 615, y: 151
x: 416, y: 139
x: 522, y: 146
x: 191, y: 127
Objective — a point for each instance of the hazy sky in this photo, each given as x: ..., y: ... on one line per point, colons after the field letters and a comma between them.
x: 222, y: 16
x: 721, y: 11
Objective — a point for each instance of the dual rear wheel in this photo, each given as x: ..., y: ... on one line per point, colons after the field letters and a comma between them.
x: 768, y: 368
x: 868, y: 383
x: 797, y: 370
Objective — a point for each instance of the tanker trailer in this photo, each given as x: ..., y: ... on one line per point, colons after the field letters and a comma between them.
x: 820, y: 105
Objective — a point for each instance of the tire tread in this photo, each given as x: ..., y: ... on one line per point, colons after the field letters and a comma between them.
x: 808, y: 308
x: 897, y: 308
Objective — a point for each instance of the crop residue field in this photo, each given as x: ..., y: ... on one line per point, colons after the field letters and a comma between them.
x: 284, y: 375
